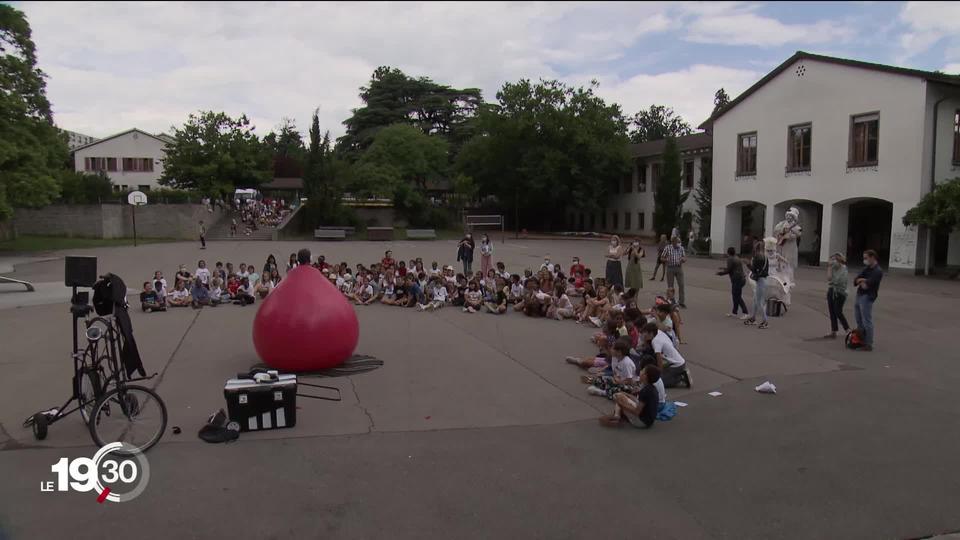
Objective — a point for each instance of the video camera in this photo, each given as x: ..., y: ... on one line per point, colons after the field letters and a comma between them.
x: 80, y: 272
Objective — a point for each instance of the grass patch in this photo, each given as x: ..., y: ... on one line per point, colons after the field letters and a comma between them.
x: 30, y: 244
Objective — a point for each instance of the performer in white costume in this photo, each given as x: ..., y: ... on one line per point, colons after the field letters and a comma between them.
x: 787, y: 232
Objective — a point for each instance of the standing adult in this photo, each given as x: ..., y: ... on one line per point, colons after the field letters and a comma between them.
x: 674, y: 257
x: 661, y: 245
x: 203, y: 235
x: 759, y: 271
x: 614, y: 273
x: 634, y: 277
x: 836, y: 292
x: 486, y: 254
x: 734, y: 270
x: 465, y: 253
x: 867, y: 283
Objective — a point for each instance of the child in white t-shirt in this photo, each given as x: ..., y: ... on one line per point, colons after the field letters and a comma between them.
x: 438, y: 296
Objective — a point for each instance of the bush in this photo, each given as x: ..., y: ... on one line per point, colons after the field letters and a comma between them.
x: 82, y: 188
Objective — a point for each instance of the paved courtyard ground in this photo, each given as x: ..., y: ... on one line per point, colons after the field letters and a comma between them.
x: 476, y: 428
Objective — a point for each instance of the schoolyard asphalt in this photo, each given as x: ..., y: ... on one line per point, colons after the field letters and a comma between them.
x: 475, y: 427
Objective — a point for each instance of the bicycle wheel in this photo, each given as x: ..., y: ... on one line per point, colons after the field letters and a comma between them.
x: 131, y: 414
x: 91, y: 389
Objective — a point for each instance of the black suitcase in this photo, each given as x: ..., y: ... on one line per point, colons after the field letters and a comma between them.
x: 775, y: 308
x: 268, y: 401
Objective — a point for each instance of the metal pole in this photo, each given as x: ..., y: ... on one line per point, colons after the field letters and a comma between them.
x: 134, y: 225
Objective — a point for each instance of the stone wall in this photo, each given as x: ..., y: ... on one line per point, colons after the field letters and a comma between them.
x: 115, y: 220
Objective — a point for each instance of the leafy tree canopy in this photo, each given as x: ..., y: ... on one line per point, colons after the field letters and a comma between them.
x: 32, y: 150
x: 667, y: 197
x: 938, y: 209
x: 393, y: 97
x: 657, y: 122
x: 216, y: 153
x: 545, y: 148
x: 287, y: 149
x: 720, y: 99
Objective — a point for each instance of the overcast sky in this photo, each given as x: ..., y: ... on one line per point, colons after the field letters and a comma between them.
x: 114, y: 66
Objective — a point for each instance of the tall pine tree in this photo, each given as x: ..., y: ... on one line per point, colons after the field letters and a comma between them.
x: 667, y: 200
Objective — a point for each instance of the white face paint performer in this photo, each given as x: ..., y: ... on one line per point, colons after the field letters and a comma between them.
x: 787, y: 234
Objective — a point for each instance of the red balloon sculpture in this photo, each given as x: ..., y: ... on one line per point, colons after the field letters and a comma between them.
x: 305, y: 324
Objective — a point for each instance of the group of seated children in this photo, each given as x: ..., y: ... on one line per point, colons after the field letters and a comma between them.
x: 637, y: 359
x: 206, y: 287
x: 548, y: 293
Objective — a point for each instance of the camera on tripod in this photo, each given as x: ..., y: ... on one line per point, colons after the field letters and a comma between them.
x: 80, y: 272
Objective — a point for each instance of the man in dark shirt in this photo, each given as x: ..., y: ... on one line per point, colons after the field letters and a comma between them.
x: 640, y: 410
x: 867, y: 283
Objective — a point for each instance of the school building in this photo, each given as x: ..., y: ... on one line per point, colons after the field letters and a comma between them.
x: 853, y: 145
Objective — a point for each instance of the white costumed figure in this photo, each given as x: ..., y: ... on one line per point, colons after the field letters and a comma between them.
x: 787, y: 232
x: 777, y: 285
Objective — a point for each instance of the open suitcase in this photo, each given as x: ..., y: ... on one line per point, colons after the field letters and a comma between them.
x: 266, y: 399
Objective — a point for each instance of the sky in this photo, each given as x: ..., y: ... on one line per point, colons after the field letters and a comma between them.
x: 114, y: 66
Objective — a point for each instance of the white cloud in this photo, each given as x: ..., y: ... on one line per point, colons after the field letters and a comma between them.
x: 951, y: 68
x: 689, y: 91
x: 117, y: 65
x: 928, y: 23
x: 736, y: 26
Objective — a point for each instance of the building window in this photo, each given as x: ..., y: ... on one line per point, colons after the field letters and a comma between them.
x: 956, y: 137
x: 616, y: 220
x: 581, y: 221
x: 688, y: 174
x: 798, y: 147
x: 143, y: 187
x: 640, y: 221
x: 864, y: 140
x: 747, y: 154
x: 138, y: 164
x: 603, y: 221
x: 641, y: 177
x: 654, y: 176
x: 628, y: 184
x: 626, y: 221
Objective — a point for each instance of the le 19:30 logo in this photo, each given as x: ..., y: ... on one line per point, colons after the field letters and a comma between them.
x: 118, y: 472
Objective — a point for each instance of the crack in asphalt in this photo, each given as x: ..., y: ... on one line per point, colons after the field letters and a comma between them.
x: 372, y: 425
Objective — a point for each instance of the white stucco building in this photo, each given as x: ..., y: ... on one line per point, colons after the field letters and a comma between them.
x: 629, y: 210
x: 132, y: 159
x: 853, y: 145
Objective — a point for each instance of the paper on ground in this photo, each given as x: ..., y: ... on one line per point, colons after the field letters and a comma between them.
x: 715, y: 393
x: 679, y: 404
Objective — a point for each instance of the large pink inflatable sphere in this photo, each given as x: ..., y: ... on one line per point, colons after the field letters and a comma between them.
x: 305, y: 324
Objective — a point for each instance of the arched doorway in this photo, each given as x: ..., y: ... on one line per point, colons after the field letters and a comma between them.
x: 811, y: 222
x: 860, y: 224
x: 744, y: 222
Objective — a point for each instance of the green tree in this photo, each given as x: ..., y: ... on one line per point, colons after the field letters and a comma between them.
x: 938, y: 209
x: 81, y: 188
x: 393, y: 97
x: 667, y: 197
x: 32, y: 150
x: 286, y: 147
x: 657, y: 122
x: 704, y: 199
x: 215, y: 153
x: 720, y: 99
x: 323, y: 178
x: 547, y: 148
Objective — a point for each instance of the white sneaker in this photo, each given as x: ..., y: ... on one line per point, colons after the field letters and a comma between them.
x: 466, y: 309
x: 420, y: 307
x: 744, y: 317
x: 729, y: 315
x: 594, y: 391
x: 596, y: 321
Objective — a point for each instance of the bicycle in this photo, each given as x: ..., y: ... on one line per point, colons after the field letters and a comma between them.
x: 113, y: 408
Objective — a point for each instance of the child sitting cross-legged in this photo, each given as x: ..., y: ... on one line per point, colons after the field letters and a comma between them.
x: 472, y: 298
x: 497, y: 304
x: 624, y: 373
x: 437, y: 294
x: 639, y: 410
x: 149, y: 299
x: 179, y: 296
